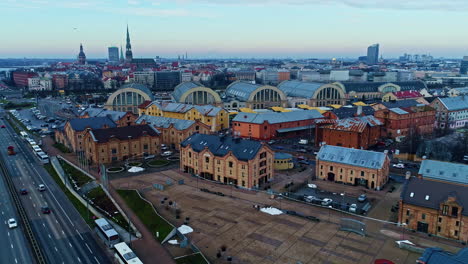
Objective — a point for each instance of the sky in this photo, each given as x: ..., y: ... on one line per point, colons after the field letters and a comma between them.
x: 233, y: 28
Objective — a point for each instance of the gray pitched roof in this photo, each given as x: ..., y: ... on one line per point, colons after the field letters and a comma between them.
x: 102, y: 112
x: 277, y: 117
x: 207, y: 110
x: 80, y: 124
x: 444, y: 171
x: 361, y: 87
x: 455, y: 103
x: 123, y: 133
x: 354, y: 157
x: 400, y: 103
x: 398, y: 111
x: 345, y: 112
x: 165, y: 122
x: 242, y: 149
x: 299, y: 89
x: 428, y: 193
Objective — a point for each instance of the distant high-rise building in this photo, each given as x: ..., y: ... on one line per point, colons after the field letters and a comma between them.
x: 167, y: 80
x: 121, y: 54
x: 373, y: 54
x: 128, y: 49
x: 113, y: 54
x: 464, y: 65
x: 81, y: 56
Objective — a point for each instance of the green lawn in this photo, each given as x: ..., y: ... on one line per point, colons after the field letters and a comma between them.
x: 11, y: 105
x: 80, y: 178
x: 85, y: 213
x: 62, y: 147
x: 158, y: 163
x: 146, y: 213
x: 191, y: 259
x: 101, y: 199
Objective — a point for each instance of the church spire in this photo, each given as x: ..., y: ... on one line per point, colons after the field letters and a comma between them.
x: 128, y: 50
x: 81, y: 55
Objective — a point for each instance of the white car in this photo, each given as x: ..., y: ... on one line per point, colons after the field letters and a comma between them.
x: 353, y: 208
x: 399, y: 166
x: 12, y: 223
x: 166, y: 153
x: 41, y: 187
x: 327, y: 201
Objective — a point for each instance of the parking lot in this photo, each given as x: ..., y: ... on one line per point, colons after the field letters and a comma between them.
x: 251, y: 236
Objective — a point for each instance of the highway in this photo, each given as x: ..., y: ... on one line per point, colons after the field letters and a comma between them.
x: 62, y: 234
x: 14, y: 248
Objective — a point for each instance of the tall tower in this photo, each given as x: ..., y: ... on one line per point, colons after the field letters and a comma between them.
x: 81, y: 56
x: 128, y: 50
x: 373, y: 54
x: 121, y: 54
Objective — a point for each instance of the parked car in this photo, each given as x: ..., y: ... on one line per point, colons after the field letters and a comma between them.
x: 3, y: 126
x: 271, y: 142
x: 166, y: 153
x: 12, y: 223
x: 149, y: 157
x: 302, y: 150
x: 311, y: 199
x: 353, y: 208
x: 327, y: 201
x: 399, y: 166
x: 362, y: 198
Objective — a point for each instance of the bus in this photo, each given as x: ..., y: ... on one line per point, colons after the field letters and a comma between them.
x: 42, y: 157
x: 125, y: 255
x: 107, y: 231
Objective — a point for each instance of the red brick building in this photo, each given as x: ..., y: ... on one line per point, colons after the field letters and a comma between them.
x: 266, y: 126
x: 400, y: 122
x: 21, y: 78
x: 356, y: 132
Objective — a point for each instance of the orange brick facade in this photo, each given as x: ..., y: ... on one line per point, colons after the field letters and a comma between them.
x: 267, y: 131
x: 227, y: 169
x: 443, y: 222
x: 350, y: 139
x: 353, y: 175
x: 418, y: 120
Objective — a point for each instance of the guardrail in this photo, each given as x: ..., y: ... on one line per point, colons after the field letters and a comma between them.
x: 36, y: 249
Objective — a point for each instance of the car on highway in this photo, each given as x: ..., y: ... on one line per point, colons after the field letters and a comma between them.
x: 41, y: 187
x: 353, y: 208
x: 327, y: 201
x: 12, y: 223
x: 24, y: 191
x: 45, y: 210
x: 166, y: 153
x: 3, y: 126
x: 362, y: 198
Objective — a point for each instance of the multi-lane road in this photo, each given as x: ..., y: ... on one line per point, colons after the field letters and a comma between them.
x: 63, y: 235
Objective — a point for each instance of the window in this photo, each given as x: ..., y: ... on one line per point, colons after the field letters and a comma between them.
x: 439, y: 229
x: 243, y: 183
x: 341, y: 170
x: 145, y: 146
x: 423, y: 216
x: 362, y: 173
x: 407, y: 212
x: 455, y: 233
x: 263, y: 155
x: 114, y: 151
x: 407, y: 221
x: 321, y: 167
x: 230, y: 164
x: 352, y: 172
x: 373, y: 176
x: 218, y: 162
x: 331, y: 168
x: 114, y: 158
x: 440, y: 219
x: 455, y: 211
x: 445, y: 209
x: 457, y: 223
x: 243, y: 167
x: 219, y: 170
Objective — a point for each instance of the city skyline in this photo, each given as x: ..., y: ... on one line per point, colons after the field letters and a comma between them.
x: 247, y: 29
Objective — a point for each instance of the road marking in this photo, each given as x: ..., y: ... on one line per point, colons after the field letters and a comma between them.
x: 97, y: 260
x: 43, y: 223
x: 11, y: 245
x: 30, y: 198
x: 16, y: 261
x: 79, y: 234
x: 79, y: 259
x: 56, y: 249
x: 38, y: 215
x: 70, y: 244
x: 2, y: 213
x: 90, y: 251
x: 34, y: 205
x: 63, y: 232
x: 56, y: 221
x: 8, y: 233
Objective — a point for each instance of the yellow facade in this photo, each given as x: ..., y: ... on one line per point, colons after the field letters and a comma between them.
x: 218, y: 122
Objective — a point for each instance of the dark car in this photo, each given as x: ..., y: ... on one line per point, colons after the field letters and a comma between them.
x: 45, y: 210
x: 23, y: 191
x: 289, y: 212
x: 362, y: 198
x: 3, y: 126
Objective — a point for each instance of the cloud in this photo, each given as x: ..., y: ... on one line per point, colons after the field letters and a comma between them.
x: 133, y: 2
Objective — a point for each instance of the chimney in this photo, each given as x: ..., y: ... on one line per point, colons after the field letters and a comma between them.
x: 359, y: 110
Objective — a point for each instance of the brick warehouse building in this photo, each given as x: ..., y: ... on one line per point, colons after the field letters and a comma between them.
x: 402, y: 121
x: 353, y: 166
x: 244, y: 163
x: 120, y: 143
x: 356, y: 132
x: 266, y: 126
x: 434, y: 201
x: 21, y: 78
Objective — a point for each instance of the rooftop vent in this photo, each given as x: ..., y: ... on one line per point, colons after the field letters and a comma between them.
x: 411, y: 194
x: 427, y: 198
